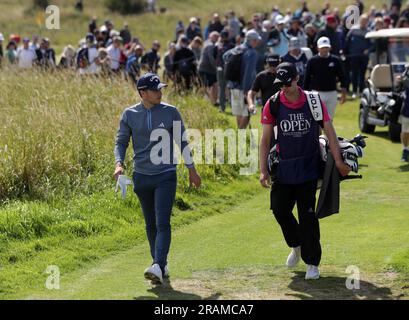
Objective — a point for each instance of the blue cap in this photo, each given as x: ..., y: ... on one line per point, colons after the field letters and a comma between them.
x: 150, y: 81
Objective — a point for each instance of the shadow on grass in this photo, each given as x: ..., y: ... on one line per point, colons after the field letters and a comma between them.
x: 334, y: 288
x: 404, y: 167
x: 383, y: 135
x: 166, y: 292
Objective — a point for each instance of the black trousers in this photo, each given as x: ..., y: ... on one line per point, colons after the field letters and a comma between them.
x: 305, y: 232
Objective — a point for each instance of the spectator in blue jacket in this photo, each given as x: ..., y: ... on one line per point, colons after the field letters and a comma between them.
x: 248, y: 75
x: 357, y: 49
x: 297, y: 58
x: 193, y: 30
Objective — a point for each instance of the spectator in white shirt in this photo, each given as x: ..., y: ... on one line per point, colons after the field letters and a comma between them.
x: 89, y: 66
x: 25, y: 56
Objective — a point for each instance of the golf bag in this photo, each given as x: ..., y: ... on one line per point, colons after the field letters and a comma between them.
x: 351, y: 151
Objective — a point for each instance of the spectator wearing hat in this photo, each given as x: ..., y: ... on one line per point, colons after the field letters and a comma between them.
x: 295, y: 30
x: 154, y: 173
x: 150, y: 60
x: 184, y: 64
x: 208, y: 68
x: 193, y: 30
x: 387, y: 22
x: 248, y: 75
x: 357, y: 48
x: 45, y: 54
x: 224, y: 45
x: 330, y: 31
x: 114, y: 52
x: 297, y: 57
x: 322, y: 73
x: 25, y: 56
x: 280, y: 46
x: 264, y: 83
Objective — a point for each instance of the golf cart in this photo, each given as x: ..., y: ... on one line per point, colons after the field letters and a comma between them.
x: 381, y: 101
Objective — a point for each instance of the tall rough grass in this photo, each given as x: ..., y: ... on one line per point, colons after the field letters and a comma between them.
x: 58, y: 130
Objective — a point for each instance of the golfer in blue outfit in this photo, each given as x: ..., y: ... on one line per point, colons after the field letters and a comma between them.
x: 154, y: 178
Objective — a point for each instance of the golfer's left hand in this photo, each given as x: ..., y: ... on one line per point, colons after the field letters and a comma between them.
x: 343, y: 169
x: 194, y: 178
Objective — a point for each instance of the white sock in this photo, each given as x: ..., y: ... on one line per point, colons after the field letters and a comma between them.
x: 406, y: 148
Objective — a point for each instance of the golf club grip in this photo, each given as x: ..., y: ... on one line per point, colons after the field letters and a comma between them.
x: 351, y: 177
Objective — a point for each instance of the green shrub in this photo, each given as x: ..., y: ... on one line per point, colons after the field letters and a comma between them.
x: 41, y: 4
x: 126, y: 6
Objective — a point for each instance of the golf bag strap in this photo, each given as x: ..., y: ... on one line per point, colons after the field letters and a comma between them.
x: 314, y: 102
x: 274, y: 103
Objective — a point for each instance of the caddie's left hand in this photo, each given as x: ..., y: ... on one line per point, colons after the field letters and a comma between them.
x: 343, y: 168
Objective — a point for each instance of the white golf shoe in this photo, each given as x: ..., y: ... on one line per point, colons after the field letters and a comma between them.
x: 154, y: 273
x: 312, y: 272
x: 294, y: 257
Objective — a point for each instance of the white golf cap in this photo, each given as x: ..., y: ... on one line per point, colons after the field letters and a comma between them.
x: 323, y: 42
x: 252, y: 35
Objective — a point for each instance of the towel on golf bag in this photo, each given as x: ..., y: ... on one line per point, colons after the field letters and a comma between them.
x: 328, y: 201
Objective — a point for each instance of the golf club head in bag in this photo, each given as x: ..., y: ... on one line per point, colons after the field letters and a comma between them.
x: 122, y: 182
x: 272, y: 162
x: 351, y: 150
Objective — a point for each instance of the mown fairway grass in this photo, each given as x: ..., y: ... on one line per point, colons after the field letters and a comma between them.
x: 239, y: 254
